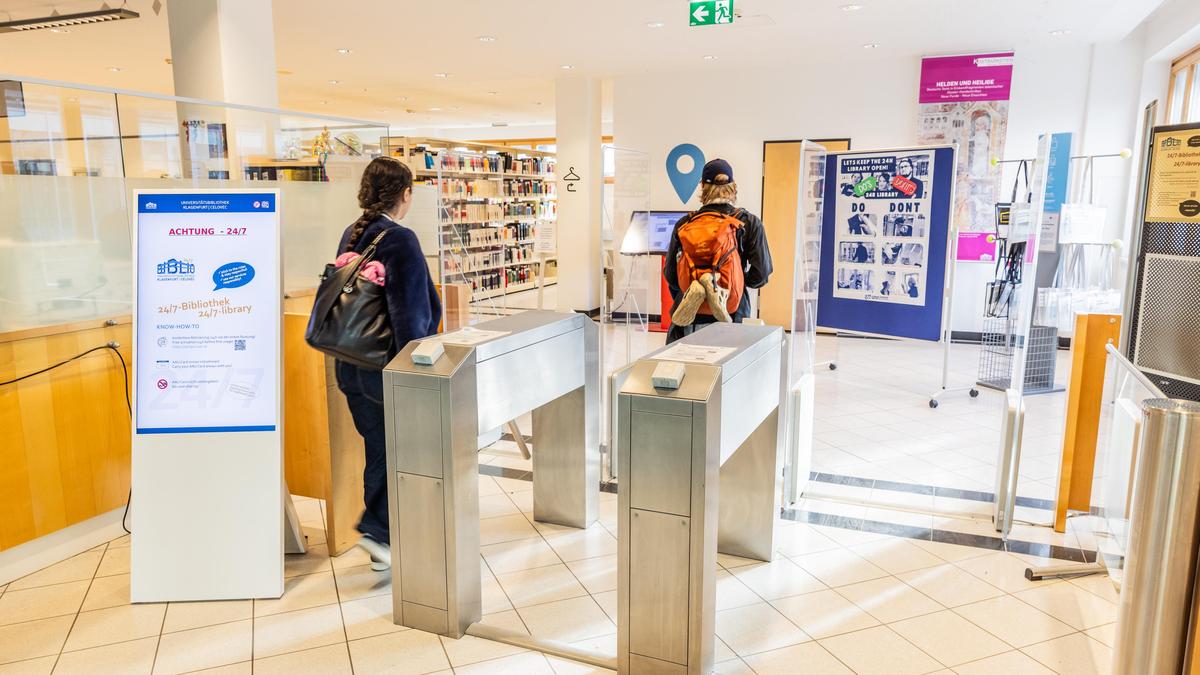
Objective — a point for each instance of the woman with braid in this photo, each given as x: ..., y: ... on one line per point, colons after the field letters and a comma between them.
x: 385, y: 196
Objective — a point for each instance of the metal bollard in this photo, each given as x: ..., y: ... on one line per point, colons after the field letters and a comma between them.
x: 1153, y: 626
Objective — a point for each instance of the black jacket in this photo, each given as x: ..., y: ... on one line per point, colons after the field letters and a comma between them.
x: 413, y: 305
x: 752, y: 246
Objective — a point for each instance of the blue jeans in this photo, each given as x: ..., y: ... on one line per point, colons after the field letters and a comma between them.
x: 364, y: 393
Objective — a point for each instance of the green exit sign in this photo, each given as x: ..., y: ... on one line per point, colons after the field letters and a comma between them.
x: 710, y: 12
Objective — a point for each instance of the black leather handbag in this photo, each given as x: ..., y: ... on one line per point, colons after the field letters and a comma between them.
x: 349, y: 318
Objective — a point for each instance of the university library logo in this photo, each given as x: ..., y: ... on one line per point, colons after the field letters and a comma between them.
x: 1171, y: 142
x: 176, y: 270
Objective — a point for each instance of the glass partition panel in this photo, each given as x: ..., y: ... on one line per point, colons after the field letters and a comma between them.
x: 800, y: 393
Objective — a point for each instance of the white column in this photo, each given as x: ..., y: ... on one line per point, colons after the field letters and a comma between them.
x: 577, y: 109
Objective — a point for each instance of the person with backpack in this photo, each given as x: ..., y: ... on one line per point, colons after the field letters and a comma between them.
x: 715, y: 254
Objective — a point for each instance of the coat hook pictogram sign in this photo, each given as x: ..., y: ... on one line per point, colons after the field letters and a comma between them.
x: 571, y: 178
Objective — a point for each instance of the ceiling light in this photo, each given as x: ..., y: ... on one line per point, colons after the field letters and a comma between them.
x: 335, y: 82
x: 567, y: 66
x: 709, y: 57
x: 343, y: 50
x: 487, y: 38
x: 324, y: 102
x: 435, y: 109
x: 64, y: 20
x: 537, y: 102
x: 114, y: 69
x: 59, y: 30
x: 402, y: 98
x: 1060, y: 32
x: 441, y: 75
x: 851, y: 8
x: 655, y: 24
x: 871, y: 45
x: 492, y: 93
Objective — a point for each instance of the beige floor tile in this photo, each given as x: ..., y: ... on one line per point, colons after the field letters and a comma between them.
x: 757, y: 628
x: 123, y: 540
x: 186, y: 615
x: 879, y: 650
x: 313, y: 534
x: 40, y: 666
x: 777, y: 579
x: 494, y: 506
x: 1075, y: 654
x: 598, y: 575
x: 824, y: 614
x: 505, y: 528
x: 950, y: 585
x: 565, y: 667
x: 536, y: 586
x: 793, y: 539
x: 721, y: 651
x: 328, y: 660
x: 569, y: 620
x: 315, y: 559
x: 369, y: 617
x: 494, y: 598
x: 115, y: 561
x: 1098, y: 584
x: 522, y: 554
x: 115, y: 624
x: 351, y: 557
x: 839, y: 567
x: 469, y: 649
x: 355, y: 583
x: 1072, y: 605
x: 32, y: 639
x: 1106, y: 634
x: 509, y: 620
x: 1002, y: 570
x: 124, y: 658
x: 77, y: 568
x: 294, y: 631
x: 726, y: 561
x: 302, y: 592
x: 607, y: 602
x: 575, y: 544
x: 949, y: 638
x: 732, y: 667
x: 1013, y: 621
x: 529, y: 663
x: 809, y: 658
x: 207, y: 647
x: 1008, y: 663
x: 889, y: 599
x: 488, y: 487
x: 243, y: 668
x: 894, y: 555
x: 731, y: 592
x: 408, y: 653
x: 107, y: 592
x: 42, y: 602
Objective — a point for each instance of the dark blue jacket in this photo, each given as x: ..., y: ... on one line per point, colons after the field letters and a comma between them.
x: 412, y: 299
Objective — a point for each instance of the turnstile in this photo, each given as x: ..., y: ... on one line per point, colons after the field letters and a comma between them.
x: 699, y: 475
x: 544, y: 362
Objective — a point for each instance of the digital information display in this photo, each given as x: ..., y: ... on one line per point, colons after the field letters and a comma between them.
x: 208, y: 311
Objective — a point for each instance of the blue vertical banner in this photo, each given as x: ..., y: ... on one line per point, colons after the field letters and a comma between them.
x: 885, y: 240
x: 1058, y: 179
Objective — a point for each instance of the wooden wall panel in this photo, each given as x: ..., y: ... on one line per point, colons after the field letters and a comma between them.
x: 64, y: 435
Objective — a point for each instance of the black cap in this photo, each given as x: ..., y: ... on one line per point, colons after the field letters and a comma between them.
x: 715, y: 168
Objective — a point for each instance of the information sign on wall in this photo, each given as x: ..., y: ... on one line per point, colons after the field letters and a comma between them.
x: 208, y: 308
x: 1173, y: 188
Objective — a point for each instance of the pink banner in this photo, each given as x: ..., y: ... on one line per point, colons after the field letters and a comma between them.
x: 975, y: 77
x: 976, y: 247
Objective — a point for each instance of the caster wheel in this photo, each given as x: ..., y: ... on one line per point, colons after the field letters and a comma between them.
x: 933, y: 403
x: 974, y: 393
x: 833, y: 366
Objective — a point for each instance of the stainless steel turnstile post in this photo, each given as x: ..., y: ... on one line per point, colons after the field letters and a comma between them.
x: 699, y: 475
x: 544, y: 362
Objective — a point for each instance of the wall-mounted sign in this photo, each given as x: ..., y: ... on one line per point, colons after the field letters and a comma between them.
x: 1173, y: 187
x: 710, y: 12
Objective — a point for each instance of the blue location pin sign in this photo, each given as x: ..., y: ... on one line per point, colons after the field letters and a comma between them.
x: 685, y: 183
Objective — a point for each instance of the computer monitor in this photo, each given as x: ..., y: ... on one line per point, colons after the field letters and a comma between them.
x: 650, y: 232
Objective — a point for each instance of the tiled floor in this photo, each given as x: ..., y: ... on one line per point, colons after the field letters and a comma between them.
x: 833, y: 599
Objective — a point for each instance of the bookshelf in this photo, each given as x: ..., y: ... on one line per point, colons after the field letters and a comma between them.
x: 491, y: 200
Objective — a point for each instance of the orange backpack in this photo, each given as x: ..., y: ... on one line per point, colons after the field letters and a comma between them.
x: 708, y: 240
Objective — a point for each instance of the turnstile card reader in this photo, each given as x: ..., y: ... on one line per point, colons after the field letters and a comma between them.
x: 699, y: 476
x: 538, y: 361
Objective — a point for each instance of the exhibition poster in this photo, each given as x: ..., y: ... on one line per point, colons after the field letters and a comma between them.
x: 882, y: 212
x: 208, y: 311
x: 964, y: 101
x: 1173, y: 186
x: 1058, y: 176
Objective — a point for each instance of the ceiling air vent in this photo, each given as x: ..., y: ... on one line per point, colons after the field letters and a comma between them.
x: 68, y: 20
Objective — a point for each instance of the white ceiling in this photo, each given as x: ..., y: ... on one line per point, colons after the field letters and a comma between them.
x: 398, y: 46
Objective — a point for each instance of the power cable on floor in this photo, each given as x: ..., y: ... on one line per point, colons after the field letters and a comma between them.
x: 114, y: 347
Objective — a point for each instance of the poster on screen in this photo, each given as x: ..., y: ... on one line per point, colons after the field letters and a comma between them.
x: 882, y: 217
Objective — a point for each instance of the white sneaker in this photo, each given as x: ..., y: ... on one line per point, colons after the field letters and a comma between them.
x: 381, y: 556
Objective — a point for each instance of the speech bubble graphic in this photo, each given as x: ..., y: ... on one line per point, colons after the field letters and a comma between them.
x: 685, y: 182
x: 232, y: 275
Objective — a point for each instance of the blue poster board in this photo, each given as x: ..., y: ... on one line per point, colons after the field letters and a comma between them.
x: 884, y: 241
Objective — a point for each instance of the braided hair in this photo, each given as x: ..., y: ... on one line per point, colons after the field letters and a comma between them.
x: 384, y: 182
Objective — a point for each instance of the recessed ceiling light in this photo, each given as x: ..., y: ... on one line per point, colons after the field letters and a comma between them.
x: 435, y: 109
x: 60, y: 30
x: 72, y: 99
x: 655, y: 24
x: 1059, y: 32
x: 402, y: 98
x: 709, y: 57
x: 114, y: 69
x: 343, y: 50
x: 441, y: 75
x: 871, y: 45
x: 851, y: 8
x: 487, y: 38
x: 492, y: 93
x: 335, y: 82
x: 567, y: 66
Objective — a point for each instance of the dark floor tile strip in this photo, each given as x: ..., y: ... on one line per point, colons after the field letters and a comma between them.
x: 505, y: 472
x: 967, y: 539
x: 895, y: 486
x: 917, y: 488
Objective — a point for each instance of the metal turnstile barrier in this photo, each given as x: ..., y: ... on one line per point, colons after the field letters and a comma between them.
x: 699, y: 476
x: 1157, y: 620
x: 544, y: 362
